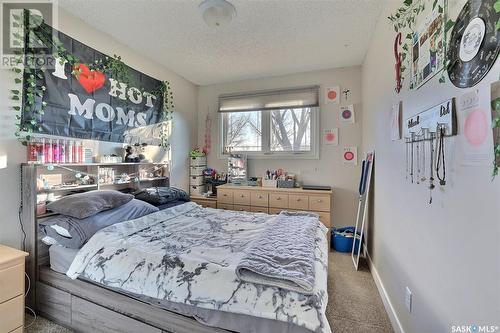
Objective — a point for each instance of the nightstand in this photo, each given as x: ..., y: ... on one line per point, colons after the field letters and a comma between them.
x: 11, y: 289
x: 207, y: 202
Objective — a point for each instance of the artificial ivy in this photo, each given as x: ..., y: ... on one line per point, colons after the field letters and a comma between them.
x: 405, y: 17
x: 31, y: 76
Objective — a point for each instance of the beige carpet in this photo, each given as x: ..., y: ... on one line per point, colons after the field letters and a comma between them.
x: 354, y: 304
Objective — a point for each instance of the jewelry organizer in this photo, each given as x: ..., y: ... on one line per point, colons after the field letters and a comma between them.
x: 425, y: 139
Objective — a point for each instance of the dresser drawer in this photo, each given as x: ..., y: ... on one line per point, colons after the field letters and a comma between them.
x: 241, y: 197
x: 275, y: 211
x: 90, y: 317
x: 260, y: 199
x: 299, y: 202
x: 224, y: 206
x: 241, y: 208
x: 12, y: 314
x: 278, y: 200
x: 325, y: 218
x: 225, y: 196
x: 319, y: 203
x: 259, y: 209
x: 11, y: 282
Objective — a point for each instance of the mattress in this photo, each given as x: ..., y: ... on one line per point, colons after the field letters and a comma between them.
x: 62, y: 257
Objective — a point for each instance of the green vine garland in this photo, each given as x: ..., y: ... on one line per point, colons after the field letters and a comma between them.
x: 405, y: 17
x: 31, y: 77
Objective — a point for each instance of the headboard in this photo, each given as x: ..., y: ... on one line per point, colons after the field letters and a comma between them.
x: 47, y: 182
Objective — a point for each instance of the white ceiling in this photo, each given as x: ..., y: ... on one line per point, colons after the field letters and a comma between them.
x: 267, y: 37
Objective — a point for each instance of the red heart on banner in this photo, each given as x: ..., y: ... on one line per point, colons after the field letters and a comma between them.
x: 90, y: 80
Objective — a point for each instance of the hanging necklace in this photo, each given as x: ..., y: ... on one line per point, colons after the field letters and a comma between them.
x: 418, y: 160
x: 423, y: 157
x: 431, y: 177
x: 411, y: 158
x: 406, y: 157
x: 440, y: 159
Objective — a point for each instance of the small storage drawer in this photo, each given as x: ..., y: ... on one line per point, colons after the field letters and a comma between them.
x: 54, y: 303
x: 12, y: 314
x: 196, y: 180
x: 241, y: 197
x: 224, y: 206
x: 241, y: 208
x: 198, y: 161
x: 197, y: 189
x: 90, y: 317
x: 299, y: 202
x: 259, y: 210
x: 197, y: 170
x: 224, y: 196
x: 275, y: 211
x: 260, y: 199
x: 278, y: 200
x: 11, y: 282
x: 319, y: 203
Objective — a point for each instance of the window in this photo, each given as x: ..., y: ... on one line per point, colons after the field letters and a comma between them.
x: 271, y: 123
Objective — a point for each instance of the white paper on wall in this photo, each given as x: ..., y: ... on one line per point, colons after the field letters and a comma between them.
x: 346, y: 114
x: 350, y: 156
x: 331, y: 137
x: 474, y: 131
x: 395, y: 120
x: 332, y: 95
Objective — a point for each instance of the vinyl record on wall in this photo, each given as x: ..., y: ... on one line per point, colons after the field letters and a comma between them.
x: 474, y: 43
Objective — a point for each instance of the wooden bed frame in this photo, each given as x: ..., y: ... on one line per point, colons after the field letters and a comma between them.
x: 84, y: 306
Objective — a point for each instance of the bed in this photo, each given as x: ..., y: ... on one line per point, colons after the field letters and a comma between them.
x: 115, y: 278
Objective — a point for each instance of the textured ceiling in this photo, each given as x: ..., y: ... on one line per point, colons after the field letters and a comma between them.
x: 267, y: 37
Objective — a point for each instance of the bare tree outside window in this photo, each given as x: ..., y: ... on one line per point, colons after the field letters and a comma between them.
x: 243, y: 131
x: 291, y: 130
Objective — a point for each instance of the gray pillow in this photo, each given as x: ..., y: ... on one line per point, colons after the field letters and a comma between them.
x: 86, y: 204
x: 73, y: 233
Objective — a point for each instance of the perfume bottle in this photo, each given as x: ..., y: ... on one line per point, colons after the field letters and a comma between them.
x: 69, y: 150
x: 48, y: 151
x: 62, y: 151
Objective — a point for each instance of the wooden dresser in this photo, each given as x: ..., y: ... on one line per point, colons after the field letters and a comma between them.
x: 207, y: 202
x: 273, y: 200
x: 11, y: 289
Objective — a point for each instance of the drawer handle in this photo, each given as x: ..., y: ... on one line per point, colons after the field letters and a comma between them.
x: 278, y: 198
x: 319, y: 200
x: 298, y: 199
x: 242, y: 195
x: 224, y: 195
x: 259, y: 196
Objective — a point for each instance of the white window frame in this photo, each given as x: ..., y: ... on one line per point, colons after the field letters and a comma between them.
x: 266, y: 153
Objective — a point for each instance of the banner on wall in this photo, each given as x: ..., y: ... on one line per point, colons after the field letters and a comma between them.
x: 94, y: 106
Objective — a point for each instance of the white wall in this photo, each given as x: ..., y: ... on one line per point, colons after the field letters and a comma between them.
x: 448, y: 253
x: 328, y: 170
x: 183, y: 133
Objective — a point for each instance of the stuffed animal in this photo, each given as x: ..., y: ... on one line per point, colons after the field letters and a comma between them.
x: 135, y: 153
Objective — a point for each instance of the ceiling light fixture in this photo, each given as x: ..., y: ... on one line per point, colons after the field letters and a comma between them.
x: 217, y: 13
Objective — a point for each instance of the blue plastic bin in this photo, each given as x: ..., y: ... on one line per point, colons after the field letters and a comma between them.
x: 341, y: 243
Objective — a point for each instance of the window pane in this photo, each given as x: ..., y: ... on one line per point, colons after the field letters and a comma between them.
x: 243, y: 131
x: 291, y: 130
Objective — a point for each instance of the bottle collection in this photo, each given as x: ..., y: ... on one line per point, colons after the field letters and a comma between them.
x: 57, y: 151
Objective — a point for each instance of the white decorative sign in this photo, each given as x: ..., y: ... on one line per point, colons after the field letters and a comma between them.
x: 443, y: 114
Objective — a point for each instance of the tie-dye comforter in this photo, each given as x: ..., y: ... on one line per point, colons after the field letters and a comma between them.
x: 188, y: 254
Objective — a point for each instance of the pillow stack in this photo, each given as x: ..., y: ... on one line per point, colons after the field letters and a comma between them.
x: 84, y: 214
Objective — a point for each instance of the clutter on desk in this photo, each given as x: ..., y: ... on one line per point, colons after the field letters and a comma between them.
x: 237, y: 168
x: 278, y: 178
x: 135, y: 153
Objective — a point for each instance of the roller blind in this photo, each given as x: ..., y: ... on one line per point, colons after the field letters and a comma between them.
x: 270, y: 99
